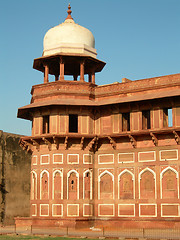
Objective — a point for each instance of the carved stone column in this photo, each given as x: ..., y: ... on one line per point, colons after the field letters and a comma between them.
x: 46, y: 73
x: 61, y: 67
x: 82, y: 63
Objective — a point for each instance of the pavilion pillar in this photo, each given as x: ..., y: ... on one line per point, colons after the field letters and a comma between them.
x: 61, y: 68
x: 93, y: 77
x: 46, y: 73
x: 82, y: 71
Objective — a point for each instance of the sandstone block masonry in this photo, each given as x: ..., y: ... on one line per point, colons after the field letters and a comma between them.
x: 14, y: 179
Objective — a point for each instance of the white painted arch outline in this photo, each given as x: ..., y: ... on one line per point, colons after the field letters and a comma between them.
x: 139, y: 180
x: 84, y: 173
x: 44, y: 171
x: 77, y: 175
x: 161, y: 177
x: 99, y: 180
x: 61, y: 174
x: 119, y: 176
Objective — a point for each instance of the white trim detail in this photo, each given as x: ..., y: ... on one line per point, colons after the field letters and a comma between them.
x: 99, y: 205
x: 84, y: 173
x: 152, y: 160
x: 77, y: 175
x: 119, y: 215
x: 126, y: 154
x: 119, y: 176
x: 171, y: 150
x: 99, y: 180
x: 169, y: 204
x: 61, y: 174
x: 68, y: 209
x: 149, y: 204
x: 73, y: 155
x: 44, y: 156
x: 161, y: 177
x: 87, y: 155
x: 35, y: 205
x: 105, y: 162
x: 84, y: 210
x: 41, y: 210
x: 139, y: 180
x: 56, y: 215
x: 44, y: 171
x: 59, y: 154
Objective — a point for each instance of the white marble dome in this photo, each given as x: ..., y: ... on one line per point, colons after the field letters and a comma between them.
x: 69, y: 38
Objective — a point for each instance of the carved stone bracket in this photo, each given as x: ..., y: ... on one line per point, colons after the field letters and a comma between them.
x: 56, y: 142
x: 82, y: 143
x: 154, y: 139
x: 132, y: 140
x: 96, y: 144
x: 36, y: 144
x: 177, y: 137
x: 66, y: 143
x: 90, y: 145
x: 28, y: 146
x: 47, y: 142
x: 112, y: 142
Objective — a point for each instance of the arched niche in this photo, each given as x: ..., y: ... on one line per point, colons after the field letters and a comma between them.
x: 147, y: 184
x: 87, y: 184
x: 169, y: 183
x: 57, y: 185
x: 126, y: 185
x: 33, y: 185
x: 106, y: 185
x: 73, y: 185
x: 44, y: 185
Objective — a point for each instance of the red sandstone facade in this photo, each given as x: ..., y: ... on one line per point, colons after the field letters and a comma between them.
x: 101, y: 153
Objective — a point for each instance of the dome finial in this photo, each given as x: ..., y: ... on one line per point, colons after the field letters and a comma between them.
x: 69, y: 12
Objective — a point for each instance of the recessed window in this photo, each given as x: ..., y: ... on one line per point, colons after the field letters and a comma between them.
x: 46, y: 124
x: 125, y: 121
x: 167, y: 117
x: 146, y: 120
x: 73, y: 123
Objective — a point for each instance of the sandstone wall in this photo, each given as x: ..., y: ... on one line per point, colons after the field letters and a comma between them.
x: 15, y: 165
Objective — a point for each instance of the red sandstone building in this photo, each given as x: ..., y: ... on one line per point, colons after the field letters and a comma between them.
x: 100, y: 153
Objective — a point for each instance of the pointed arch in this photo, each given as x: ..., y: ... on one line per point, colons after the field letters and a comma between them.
x: 73, y: 185
x: 33, y: 185
x: 87, y: 184
x: 44, y: 185
x: 106, y: 185
x: 147, y: 183
x: 169, y: 184
x: 126, y: 185
x: 57, y: 184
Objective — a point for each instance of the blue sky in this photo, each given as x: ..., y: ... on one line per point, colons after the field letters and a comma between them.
x: 136, y: 38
